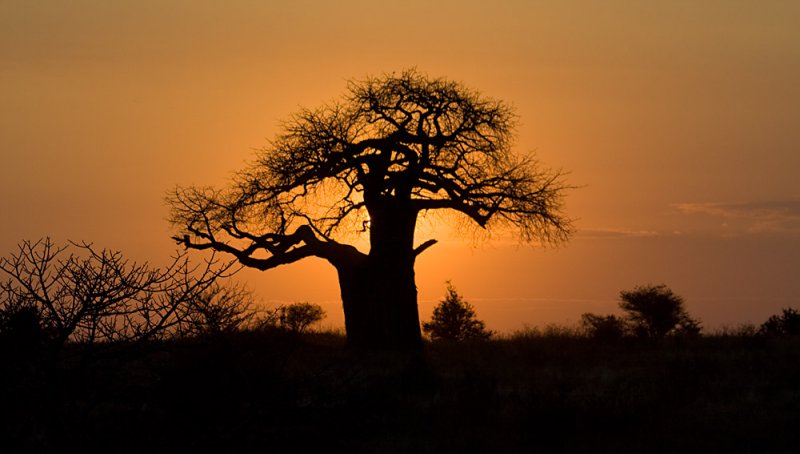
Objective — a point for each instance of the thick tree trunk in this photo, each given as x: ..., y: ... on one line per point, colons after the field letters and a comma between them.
x: 379, y: 293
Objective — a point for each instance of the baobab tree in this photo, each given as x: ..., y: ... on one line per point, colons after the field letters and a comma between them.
x: 394, y: 148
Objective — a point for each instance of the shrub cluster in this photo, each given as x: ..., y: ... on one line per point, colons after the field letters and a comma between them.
x: 650, y: 312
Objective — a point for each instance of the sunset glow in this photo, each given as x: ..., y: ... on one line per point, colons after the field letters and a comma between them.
x: 677, y: 123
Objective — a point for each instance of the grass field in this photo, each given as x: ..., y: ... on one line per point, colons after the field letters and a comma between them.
x: 273, y: 392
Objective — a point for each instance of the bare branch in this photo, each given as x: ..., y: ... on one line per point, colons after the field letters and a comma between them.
x: 93, y: 295
x: 422, y: 247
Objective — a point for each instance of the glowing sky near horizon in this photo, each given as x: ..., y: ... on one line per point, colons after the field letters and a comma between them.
x: 677, y: 120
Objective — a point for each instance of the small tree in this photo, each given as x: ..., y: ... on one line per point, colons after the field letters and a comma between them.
x: 655, y: 311
x: 454, y: 319
x: 295, y: 317
x: 785, y: 324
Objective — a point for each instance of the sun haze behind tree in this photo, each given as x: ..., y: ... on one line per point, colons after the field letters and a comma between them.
x: 396, y: 147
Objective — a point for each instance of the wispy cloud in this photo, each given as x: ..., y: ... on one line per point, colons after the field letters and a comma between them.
x: 611, y: 233
x: 771, y: 216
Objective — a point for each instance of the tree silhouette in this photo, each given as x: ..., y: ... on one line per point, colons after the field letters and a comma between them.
x: 785, y: 324
x: 396, y: 147
x: 655, y: 311
x: 79, y: 293
x: 454, y: 319
x: 296, y: 317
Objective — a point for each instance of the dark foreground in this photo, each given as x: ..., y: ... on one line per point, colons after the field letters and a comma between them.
x: 271, y: 392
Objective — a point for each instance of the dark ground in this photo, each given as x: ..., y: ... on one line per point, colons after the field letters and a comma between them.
x: 273, y: 392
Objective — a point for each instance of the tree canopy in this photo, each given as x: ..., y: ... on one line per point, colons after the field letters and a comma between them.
x: 430, y: 142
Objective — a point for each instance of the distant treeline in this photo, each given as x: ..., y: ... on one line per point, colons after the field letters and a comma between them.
x: 76, y: 293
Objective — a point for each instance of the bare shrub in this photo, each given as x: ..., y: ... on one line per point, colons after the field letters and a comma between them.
x: 86, y: 295
x: 603, y: 327
x: 221, y: 308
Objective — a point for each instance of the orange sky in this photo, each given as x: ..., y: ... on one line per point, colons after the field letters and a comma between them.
x: 679, y: 120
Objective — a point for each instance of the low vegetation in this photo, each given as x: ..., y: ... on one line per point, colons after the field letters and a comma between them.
x: 224, y: 377
x: 539, y: 390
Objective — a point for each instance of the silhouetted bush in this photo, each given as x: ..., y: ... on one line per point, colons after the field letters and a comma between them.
x: 603, y: 327
x: 21, y: 326
x: 655, y: 311
x: 785, y: 324
x: 454, y: 319
x: 295, y: 317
